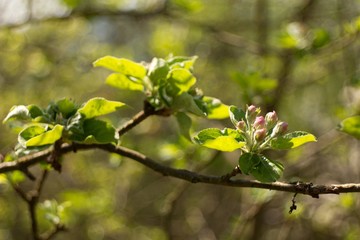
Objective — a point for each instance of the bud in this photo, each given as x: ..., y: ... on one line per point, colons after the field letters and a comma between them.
x: 241, y: 125
x: 260, y: 134
x: 252, y: 112
x: 279, y: 129
x: 271, y: 119
x: 251, y: 109
x: 259, y: 122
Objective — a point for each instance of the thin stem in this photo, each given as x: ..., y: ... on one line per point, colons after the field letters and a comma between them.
x: 138, y: 118
x: 148, y: 111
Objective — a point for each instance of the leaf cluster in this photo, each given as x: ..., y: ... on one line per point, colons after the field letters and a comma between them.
x: 62, y: 120
x: 245, y: 137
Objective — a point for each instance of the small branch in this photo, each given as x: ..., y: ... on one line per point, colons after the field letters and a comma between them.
x: 293, y: 207
x: 58, y: 228
x: 298, y: 187
x: 233, y: 173
x: 141, y: 116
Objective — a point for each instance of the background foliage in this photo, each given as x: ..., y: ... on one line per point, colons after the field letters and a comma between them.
x: 300, y: 58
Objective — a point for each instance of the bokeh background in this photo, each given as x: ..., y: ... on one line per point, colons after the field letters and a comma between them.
x: 300, y: 58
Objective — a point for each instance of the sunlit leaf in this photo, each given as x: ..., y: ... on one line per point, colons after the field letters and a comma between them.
x: 122, y: 65
x: 119, y: 80
x: 351, y: 126
x: 182, y: 79
x: 158, y: 70
x: 292, y: 140
x: 226, y: 140
x: 20, y: 112
x: 98, y: 107
x: 98, y: 131
x: 215, y: 108
x: 182, y: 62
x: 39, y: 135
x: 66, y: 106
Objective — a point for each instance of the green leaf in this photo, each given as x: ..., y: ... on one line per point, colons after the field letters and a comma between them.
x: 98, y: 131
x: 182, y: 62
x: 184, y: 122
x: 121, y: 65
x: 35, y: 111
x: 182, y: 79
x: 158, y: 70
x: 267, y: 170
x: 66, y: 106
x: 226, y: 140
x: 292, y: 140
x: 186, y: 102
x: 39, y: 135
x: 98, y: 107
x: 119, y: 80
x: 351, y: 126
x: 214, y: 108
x: 20, y: 112
x: 248, y: 161
x: 236, y: 114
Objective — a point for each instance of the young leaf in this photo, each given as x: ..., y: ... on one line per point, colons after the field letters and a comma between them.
x: 158, y: 70
x: 184, y: 122
x: 267, y: 170
x: 186, y: 102
x: 37, y: 135
x: 98, y: 131
x: 351, y: 126
x: 99, y: 106
x: 182, y: 79
x: 182, y: 62
x: 121, y: 65
x: 20, y: 112
x: 236, y: 114
x: 292, y: 140
x: 226, y: 140
x: 248, y: 161
x: 66, y: 107
x: 119, y: 80
x: 214, y: 108
x: 34, y: 111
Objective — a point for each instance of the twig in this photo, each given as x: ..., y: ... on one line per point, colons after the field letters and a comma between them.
x: 293, y: 207
x: 299, y: 187
x: 58, y: 228
x: 141, y: 116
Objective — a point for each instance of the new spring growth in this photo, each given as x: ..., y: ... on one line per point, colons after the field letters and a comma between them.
x: 259, y: 130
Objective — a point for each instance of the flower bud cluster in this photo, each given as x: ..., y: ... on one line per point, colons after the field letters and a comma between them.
x: 259, y: 130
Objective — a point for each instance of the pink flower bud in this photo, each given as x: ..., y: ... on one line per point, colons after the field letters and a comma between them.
x: 260, y: 134
x: 252, y: 112
x: 251, y: 109
x: 241, y: 125
x: 259, y: 122
x: 271, y: 119
x: 279, y: 129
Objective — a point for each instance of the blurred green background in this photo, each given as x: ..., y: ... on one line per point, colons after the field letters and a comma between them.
x: 300, y: 58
